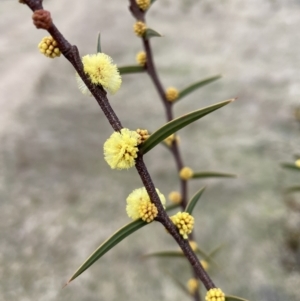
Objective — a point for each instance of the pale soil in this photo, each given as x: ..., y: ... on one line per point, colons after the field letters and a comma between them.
x: 60, y: 200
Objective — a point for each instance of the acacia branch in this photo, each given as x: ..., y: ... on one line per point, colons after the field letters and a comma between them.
x: 72, y: 55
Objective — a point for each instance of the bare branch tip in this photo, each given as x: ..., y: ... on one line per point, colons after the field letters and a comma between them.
x: 66, y: 284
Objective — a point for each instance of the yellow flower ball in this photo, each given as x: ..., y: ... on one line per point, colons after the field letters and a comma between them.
x: 184, y: 223
x: 120, y: 149
x: 101, y: 71
x: 297, y: 163
x: 141, y: 58
x: 139, y: 28
x: 143, y: 4
x: 215, y: 294
x: 186, y: 173
x: 175, y: 197
x: 192, y: 285
x: 48, y: 46
x: 139, y: 205
x: 172, y: 94
x: 82, y: 86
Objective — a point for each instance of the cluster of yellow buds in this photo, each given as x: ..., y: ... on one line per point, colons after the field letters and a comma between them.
x: 48, y: 46
x: 144, y: 135
x: 143, y: 4
x: 184, y: 223
x: 175, y: 197
x: 147, y: 212
x: 215, y: 294
x: 192, y: 285
x: 139, y: 28
x: 172, y: 94
x: 141, y: 58
x: 186, y: 173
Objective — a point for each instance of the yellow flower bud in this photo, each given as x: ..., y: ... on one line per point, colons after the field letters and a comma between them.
x: 143, y: 4
x: 48, y: 47
x: 175, y: 197
x: 172, y: 94
x: 186, y: 173
x: 215, y: 294
x: 204, y: 264
x: 144, y: 135
x: 297, y: 163
x: 192, y: 285
x: 141, y: 58
x: 193, y: 245
x: 184, y: 223
x: 139, y: 28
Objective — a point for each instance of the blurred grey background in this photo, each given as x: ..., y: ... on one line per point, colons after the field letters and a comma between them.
x: 60, y: 200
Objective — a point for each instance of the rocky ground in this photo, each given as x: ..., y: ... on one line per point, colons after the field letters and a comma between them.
x: 60, y: 200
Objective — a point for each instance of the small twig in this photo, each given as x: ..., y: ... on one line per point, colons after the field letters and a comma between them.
x: 151, y: 70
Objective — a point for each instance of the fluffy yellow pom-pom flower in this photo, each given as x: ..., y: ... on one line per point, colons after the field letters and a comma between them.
x: 186, y: 173
x: 297, y: 163
x: 141, y: 58
x: 139, y: 205
x: 184, y: 223
x: 82, y: 86
x: 172, y: 94
x: 143, y: 4
x: 101, y: 71
x: 175, y: 197
x: 48, y: 47
x: 120, y: 149
x: 215, y: 294
x: 192, y: 285
x: 139, y: 28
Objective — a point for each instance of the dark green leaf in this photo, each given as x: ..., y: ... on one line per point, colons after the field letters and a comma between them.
x: 150, y: 33
x: 197, y: 85
x: 233, y: 298
x: 212, y: 174
x: 290, y: 166
x: 177, y: 124
x: 98, y: 44
x: 130, y: 69
x: 192, y: 203
x: 108, y: 244
x: 292, y: 189
x: 152, y: 1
